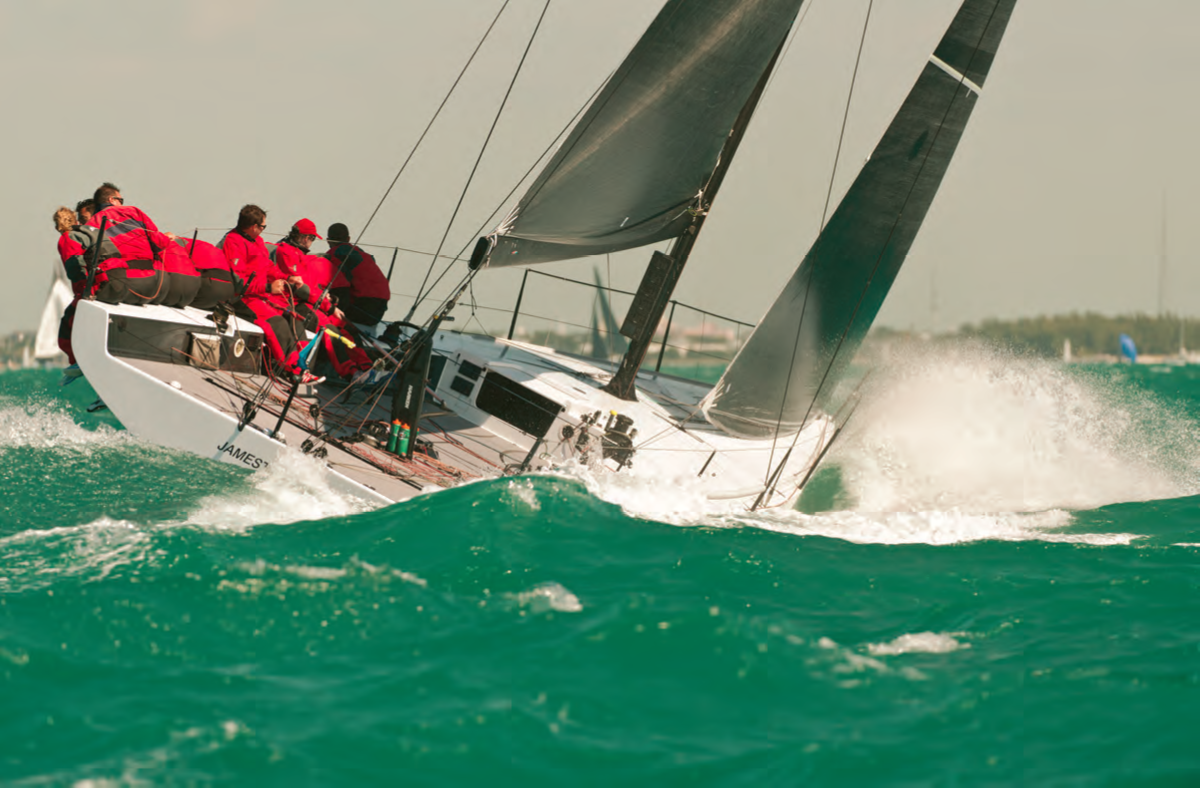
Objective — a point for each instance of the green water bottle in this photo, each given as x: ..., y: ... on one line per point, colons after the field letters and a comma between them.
x: 403, y: 446
x: 394, y: 436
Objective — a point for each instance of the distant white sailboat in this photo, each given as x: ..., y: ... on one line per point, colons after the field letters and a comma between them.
x: 45, y: 345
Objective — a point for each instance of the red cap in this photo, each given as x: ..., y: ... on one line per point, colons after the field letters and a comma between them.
x: 306, y: 227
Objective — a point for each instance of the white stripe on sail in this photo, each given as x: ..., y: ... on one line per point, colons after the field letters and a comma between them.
x: 944, y: 66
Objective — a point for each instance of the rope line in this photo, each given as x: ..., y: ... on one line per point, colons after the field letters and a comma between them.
x: 817, y: 245
x: 896, y: 222
x: 483, y: 149
x: 433, y: 119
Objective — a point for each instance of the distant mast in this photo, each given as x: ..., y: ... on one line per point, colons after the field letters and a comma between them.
x: 1162, y: 261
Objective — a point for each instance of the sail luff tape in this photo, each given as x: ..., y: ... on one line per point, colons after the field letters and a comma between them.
x: 944, y: 66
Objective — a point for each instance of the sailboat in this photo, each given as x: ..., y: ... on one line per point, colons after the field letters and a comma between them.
x: 606, y: 339
x: 45, y: 344
x: 642, y: 166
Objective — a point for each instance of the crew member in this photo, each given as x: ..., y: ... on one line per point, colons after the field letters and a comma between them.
x: 218, y: 284
x: 84, y: 209
x: 266, y: 292
x: 291, y: 255
x: 313, y: 305
x: 75, y: 242
x: 137, y: 275
x: 361, y: 288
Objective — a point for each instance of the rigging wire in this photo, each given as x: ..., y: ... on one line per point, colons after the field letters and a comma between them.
x: 895, y: 223
x: 432, y: 120
x: 791, y: 39
x: 482, y: 150
x: 507, y: 197
x: 824, y: 215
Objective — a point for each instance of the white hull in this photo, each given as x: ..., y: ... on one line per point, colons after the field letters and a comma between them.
x: 495, y: 407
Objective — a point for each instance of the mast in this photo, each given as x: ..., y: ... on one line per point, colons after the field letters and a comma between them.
x: 1162, y: 261
x: 662, y: 275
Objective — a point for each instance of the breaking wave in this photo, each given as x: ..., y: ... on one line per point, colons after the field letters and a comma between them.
x: 290, y: 489
x: 47, y: 427
x: 976, y: 429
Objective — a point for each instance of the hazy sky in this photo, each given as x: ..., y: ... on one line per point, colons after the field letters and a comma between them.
x: 1055, y: 201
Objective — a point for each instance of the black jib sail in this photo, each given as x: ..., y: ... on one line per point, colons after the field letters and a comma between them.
x: 634, y: 165
x: 798, y: 351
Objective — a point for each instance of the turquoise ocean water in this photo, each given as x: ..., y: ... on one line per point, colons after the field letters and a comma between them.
x: 993, y: 581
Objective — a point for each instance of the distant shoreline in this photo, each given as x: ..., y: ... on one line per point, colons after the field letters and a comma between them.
x: 1090, y: 334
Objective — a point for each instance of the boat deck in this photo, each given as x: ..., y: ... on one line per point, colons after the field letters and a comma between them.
x: 324, y: 420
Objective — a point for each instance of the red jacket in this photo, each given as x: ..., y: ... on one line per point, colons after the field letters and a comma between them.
x: 71, y: 252
x: 251, y: 262
x: 359, y: 272
x: 75, y: 255
x: 203, y: 254
x: 132, y: 232
x: 315, y: 271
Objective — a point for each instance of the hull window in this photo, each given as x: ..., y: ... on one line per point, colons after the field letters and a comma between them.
x: 517, y: 405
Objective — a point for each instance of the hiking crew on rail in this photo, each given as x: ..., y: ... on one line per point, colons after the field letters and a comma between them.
x: 286, y: 292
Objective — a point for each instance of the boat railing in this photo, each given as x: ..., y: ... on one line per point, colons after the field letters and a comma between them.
x: 689, y: 339
x: 692, y: 341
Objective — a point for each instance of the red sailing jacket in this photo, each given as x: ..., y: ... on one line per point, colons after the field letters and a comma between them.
x: 75, y: 255
x: 203, y: 254
x: 176, y: 261
x: 251, y: 262
x: 360, y: 272
x: 133, y: 233
x: 315, y: 271
x: 71, y: 252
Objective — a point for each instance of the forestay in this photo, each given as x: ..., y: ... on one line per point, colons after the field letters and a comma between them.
x: 802, y: 346
x: 634, y: 166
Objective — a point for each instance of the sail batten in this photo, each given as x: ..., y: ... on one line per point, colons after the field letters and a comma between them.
x: 801, y: 347
x: 632, y: 171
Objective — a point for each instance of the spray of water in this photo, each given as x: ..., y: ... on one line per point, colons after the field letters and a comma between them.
x: 975, y: 429
x: 39, y: 426
x: 292, y: 488
x: 960, y: 443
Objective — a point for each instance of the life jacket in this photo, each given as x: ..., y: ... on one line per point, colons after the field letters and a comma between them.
x: 359, y: 272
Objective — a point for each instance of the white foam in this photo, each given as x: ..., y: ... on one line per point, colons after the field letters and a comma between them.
x: 42, y: 427
x: 523, y: 494
x: 920, y: 642
x: 355, y: 566
x: 931, y: 528
x: 680, y: 500
x: 974, y: 429
x: 549, y: 596
x: 39, y: 558
x: 291, y: 488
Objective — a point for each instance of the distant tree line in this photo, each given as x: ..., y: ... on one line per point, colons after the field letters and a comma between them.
x: 1090, y: 333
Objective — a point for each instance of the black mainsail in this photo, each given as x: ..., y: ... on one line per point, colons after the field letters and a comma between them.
x: 631, y: 171
x: 797, y: 352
